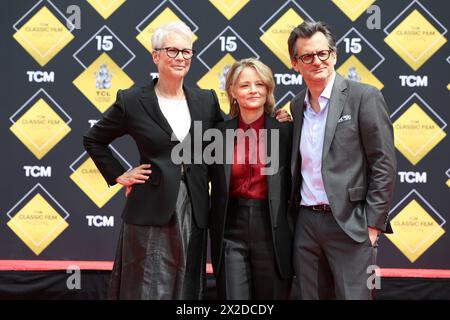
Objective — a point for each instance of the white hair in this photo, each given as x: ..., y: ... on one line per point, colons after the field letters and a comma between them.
x: 164, y: 30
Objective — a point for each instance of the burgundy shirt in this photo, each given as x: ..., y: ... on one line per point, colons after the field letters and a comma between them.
x: 246, y: 180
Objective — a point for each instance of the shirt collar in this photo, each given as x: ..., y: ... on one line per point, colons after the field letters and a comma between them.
x: 257, y: 124
x: 326, y: 93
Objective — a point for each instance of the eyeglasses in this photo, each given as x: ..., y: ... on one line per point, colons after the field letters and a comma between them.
x: 173, y: 52
x: 309, y: 57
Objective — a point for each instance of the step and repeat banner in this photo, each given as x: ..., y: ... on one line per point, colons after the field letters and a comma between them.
x: 64, y: 60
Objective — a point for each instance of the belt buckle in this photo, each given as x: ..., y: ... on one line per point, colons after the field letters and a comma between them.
x: 317, y: 208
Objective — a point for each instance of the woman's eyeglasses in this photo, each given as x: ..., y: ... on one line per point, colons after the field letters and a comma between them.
x: 173, y: 52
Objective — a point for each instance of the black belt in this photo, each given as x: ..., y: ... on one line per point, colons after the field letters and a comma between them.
x: 318, y: 207
x: 248, y: 202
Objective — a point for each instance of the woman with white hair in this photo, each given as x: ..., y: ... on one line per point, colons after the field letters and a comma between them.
x: 161, y: 252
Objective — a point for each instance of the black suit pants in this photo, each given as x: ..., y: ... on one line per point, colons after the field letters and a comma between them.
x: 248, y: 269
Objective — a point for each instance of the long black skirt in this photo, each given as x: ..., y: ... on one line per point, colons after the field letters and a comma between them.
x: 161, y: 262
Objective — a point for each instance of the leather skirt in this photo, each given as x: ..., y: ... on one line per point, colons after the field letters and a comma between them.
x: 161, y: 262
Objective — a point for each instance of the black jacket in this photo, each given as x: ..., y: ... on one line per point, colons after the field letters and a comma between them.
x: 279, y: 186
x: 136, y: 112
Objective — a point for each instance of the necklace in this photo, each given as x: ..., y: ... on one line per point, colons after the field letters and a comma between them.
x: 177, y: 99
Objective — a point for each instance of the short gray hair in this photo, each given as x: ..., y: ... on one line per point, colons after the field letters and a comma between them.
x: 164, y: 30
x: 305, y: 31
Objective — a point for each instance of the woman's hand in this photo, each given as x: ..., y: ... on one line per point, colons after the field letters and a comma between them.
x: 137, y: 175
x: 283, y: 116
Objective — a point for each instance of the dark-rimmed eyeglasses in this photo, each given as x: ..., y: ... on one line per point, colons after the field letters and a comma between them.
x: 309, y: 57
x: 173, y: 52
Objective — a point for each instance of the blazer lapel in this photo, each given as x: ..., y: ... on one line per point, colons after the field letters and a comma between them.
x: 151, y: 106
x: 194, y: 108
x: 228, y: 146
x: 274, y: 180
x: 297, y: 114
x: 269, y: 124
x: 335, y: 107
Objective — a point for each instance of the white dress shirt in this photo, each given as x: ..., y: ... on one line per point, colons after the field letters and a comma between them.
x: 312, y: 190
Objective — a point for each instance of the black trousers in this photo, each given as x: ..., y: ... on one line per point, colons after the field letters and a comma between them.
x: 248, y: 269
x: 328, y: 263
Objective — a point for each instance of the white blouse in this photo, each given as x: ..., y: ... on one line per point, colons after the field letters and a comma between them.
x: 177, y: 115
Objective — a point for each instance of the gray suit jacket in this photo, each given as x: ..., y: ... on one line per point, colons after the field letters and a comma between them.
x: 358, y: 160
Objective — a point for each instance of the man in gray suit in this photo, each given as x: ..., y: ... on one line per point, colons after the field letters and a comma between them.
x: 343, y: 166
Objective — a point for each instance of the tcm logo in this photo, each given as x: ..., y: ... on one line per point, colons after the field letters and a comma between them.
x: 414, y: 81
x: 37, y: 171
x: 412, y: 177
x: 100, y: 221
x: 41, y: 76
x: 288, y: 79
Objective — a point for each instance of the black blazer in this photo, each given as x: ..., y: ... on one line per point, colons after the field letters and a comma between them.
x: 279, y: 186
x: 136, y: 112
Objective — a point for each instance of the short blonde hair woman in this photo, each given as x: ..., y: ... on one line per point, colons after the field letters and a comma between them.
x: 264, y: 72
x: 251, y: 241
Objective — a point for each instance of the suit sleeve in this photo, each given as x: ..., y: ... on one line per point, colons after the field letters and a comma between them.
x: 97, y: 139
x: 378, y: 143
x: 218, y: 116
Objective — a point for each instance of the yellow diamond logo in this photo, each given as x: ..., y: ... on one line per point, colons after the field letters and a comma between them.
x: 43, y: 36
x: 416, y: 134
x: 166, y: 16
x: 37, y: 224
x: 287, y: 107
x: 40, y: 128
x: 106, y: 7
x: 215, y: 79
x: 415, y: 40
x: 353, y: 8
x: 275, y: 38
x: 89, y: 179
x: 353, y: 69
x: 229, y: 7
x: 414, y: 231
x: 101, y: 81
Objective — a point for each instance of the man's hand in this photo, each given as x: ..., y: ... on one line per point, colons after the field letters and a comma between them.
x: 136, y: 175
x: 283, y: 116
x: 373, y: 234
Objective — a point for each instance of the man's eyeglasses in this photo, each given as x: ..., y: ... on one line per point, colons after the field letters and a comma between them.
x: 309, y: 57
x: 173, y: 52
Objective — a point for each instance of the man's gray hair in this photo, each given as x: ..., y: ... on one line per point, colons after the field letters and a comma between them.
x: 164, y: 30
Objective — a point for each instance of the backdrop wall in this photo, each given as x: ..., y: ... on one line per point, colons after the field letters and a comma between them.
x: 63, y: 61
